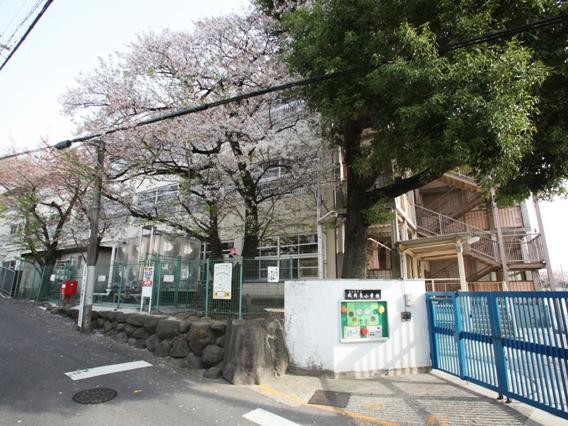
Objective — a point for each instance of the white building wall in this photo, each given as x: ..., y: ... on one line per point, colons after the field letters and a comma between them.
x: 312, y: 325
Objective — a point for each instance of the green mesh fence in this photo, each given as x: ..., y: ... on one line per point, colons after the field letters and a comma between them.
x: 41, y: 283
x: 183, y: 284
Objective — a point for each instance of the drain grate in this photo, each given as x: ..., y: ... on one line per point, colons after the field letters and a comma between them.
x: 330, y: 398
x: 94, y: 396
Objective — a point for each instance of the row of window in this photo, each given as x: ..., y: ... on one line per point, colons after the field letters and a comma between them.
x: 288, y: 245
x: 273, y: 181
x: 275, y: 247
x: 296, y: 256
x: 157, y: 196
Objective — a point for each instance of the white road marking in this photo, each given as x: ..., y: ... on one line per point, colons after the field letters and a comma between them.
x: 106, y: 369
x: 266, y: 418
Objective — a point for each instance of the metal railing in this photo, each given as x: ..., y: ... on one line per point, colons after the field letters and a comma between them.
x: 453, y: 284
x: 519, y: 247
x: 514, y: 343
x: 525, y: 248
x: 438, y: 224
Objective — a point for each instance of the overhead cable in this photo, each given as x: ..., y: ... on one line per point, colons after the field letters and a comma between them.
x: 28, y: 31
x: 485, y: 38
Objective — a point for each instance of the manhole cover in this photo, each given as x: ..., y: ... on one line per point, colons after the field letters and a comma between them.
x: 331, y: 398
x: 94, y: 396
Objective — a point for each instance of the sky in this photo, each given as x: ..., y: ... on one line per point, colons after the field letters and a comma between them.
x: 73, y: 34
x: 68, y: 39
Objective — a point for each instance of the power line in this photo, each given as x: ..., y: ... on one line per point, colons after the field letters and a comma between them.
x: 28, y: 31
x: 23, y: 21
x: 494, y: 36
x: 488, y: 37
x: 30, y: 151
x: 15, y: 15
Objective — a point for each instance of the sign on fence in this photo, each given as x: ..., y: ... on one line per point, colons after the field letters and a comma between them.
x: 363, y: 321
x: 273, y: 274
x: 148, y: 281
x: 222, y: 278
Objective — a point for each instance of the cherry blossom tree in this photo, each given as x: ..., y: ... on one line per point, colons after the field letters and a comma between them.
x: 42, y: 195
x: 238, y: 145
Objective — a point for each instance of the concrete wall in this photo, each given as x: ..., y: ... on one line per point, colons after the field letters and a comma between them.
x: 312, y: 326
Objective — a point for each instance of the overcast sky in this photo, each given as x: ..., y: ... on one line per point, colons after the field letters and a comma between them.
x: 74, y: 33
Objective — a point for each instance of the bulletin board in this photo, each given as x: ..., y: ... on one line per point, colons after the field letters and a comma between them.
x: 363, y: 320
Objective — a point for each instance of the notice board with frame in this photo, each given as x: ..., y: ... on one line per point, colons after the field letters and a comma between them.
x: 363, y: 321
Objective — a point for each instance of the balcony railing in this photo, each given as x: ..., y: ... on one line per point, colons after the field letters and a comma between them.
x: 519, y: 247
x: 438, y: 224
x: 527, y: 248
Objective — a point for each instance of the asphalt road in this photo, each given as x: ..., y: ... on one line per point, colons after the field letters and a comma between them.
x: 37, y: 348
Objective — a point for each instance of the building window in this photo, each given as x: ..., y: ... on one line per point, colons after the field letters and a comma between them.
x: 162, y: 198
x: 271, y: 181
x: 225, y: 247
x: 16, y: 228
x: 296, y: 255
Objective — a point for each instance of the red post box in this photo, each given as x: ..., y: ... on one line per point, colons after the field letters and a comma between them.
x: 69, y: 288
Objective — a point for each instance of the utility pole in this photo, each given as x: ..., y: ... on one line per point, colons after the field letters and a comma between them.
x: 86, y: 306
x: 500, y: 241
x: 545, y: 246
x: 88, y: 287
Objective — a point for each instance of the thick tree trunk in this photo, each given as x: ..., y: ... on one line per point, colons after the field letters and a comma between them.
x: 355, y: 256
x: 248, y: 192
x: 213, y: 239
x: 251, y: 237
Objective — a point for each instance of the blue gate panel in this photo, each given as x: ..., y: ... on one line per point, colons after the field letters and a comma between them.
x: 515, y: 343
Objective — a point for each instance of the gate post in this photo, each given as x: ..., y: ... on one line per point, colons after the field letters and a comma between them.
x: 241, y: 290
x: 432, y: 331
x: 459, y: 335
x: 207, y: 287
x: 158, y: 275
x: 177, y: 276
x: 497, y: 343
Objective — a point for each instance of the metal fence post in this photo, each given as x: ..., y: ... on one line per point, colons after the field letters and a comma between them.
x: 190, y: 283
x: 459, y: 335
x: 497, y: 343
x: 122, y: 275
x: 177, y: 281
x: 290, y: 265
x: 207, y: 287
x: 432, y: 329
x: 40, y: 282
x: 158, y: 275
x: 241, y: 291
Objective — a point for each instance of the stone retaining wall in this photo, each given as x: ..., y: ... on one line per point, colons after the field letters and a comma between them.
x: 197, y: 343
x: 242, y: 352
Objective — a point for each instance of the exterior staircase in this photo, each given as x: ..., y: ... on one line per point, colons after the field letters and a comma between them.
x: 521, y: 251
x: 431, y: 223
x: 460, y: 181
x: 455, y: 203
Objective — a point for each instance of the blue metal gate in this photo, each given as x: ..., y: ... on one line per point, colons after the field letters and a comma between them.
x: 515, y: 343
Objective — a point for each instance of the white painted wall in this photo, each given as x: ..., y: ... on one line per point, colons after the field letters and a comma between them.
x: 312, y: 324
